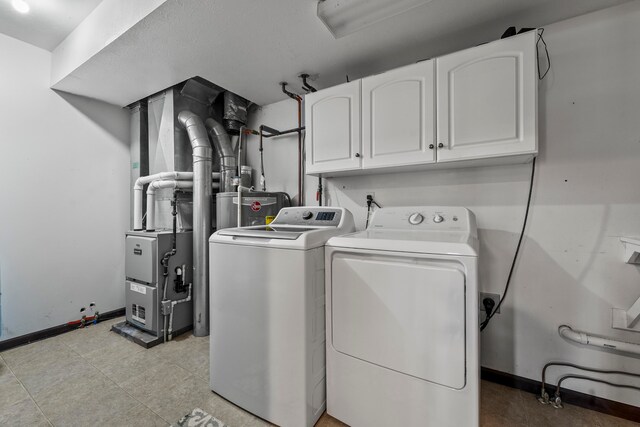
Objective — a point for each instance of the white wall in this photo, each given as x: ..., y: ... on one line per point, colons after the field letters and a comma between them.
x: 586, y: 196
x: 64, y: 197
x: 108, y: 21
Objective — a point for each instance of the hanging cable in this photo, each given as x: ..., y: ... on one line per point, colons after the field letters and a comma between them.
x: 263, y: 180
x: 515, y: 255
x: 546, y: 49
x: 370, y: 201
x: 319, y: 191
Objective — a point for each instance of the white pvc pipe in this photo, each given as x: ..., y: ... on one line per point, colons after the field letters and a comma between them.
x: 143, y: 180
x: 151, y: 196
x: 596, y: 341
x: 173, y: 306
x: 139, y: 185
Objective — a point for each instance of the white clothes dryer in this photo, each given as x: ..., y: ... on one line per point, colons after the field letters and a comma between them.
x: 402, y: 320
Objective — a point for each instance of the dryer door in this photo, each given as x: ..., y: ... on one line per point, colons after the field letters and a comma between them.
x: 402, y: 313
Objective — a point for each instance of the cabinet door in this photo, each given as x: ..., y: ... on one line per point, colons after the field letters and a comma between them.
x: 487, y: 100
x: 333, y: 129
x: 398, y: 117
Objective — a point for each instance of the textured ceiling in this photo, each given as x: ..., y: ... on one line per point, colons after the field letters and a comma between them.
x: 248, y: 46
x: 47, y: 23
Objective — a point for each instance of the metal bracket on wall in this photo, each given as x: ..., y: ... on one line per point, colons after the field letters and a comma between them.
x: 628, y: 319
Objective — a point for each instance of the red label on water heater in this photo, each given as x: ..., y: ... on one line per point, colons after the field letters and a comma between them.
x: 256, y: 206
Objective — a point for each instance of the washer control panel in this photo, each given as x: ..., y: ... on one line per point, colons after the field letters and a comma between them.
x: 309, y: 216
x: 441, y: 218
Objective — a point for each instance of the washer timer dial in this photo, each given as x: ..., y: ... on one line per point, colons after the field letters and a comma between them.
x: 415, y: 218
x: 438, y: 218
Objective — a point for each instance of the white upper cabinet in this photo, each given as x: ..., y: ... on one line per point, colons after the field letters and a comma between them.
x: 475, y: 107
x: 332, y: 120
x: 398, y: 117
x: 487, y: 100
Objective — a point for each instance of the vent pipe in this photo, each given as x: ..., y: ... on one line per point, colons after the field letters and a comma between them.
x: 151, y: 196
x: 139, y: 186
x: 235, y: 112
x: 228, y: 166
x: 202, y: 165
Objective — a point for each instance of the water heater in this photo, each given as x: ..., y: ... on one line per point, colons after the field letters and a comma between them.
x: 258, y: 208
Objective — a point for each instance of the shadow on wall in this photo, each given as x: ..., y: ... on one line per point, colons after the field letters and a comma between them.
x: 546, y: 296
x: 109, y: 117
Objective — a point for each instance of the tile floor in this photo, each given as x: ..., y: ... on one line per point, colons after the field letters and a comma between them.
x: 93, y: 377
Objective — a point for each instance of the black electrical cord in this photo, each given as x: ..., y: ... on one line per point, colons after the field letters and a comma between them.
x: 288, y: 198
x: 263, y: 179
x: 540, y: 38
x: 488, y: 305
x: 370, y: 202
x: 515, y: 255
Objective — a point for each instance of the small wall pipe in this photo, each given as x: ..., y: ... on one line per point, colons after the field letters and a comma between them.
x: 173, y: 306
x: 557, y: 401
x: 151, y: 196
x: 544, y: 396
x: 596, y: 341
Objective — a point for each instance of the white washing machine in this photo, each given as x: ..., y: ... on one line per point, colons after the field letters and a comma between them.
x: 402, y: 320
x: 268, y: 316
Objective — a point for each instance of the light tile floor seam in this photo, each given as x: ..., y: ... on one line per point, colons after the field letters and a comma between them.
x: 127, y: 393
x: 27, y: 391
x: 527, y: 417
x: 116, y: 384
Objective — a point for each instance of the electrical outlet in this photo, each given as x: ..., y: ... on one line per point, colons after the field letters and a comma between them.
x: 494, y: 297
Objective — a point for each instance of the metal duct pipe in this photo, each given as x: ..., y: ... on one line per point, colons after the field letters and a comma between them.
x: 151, y: 196
x: 202, y: 164
x: 235, y: 112
x: 228, y: 165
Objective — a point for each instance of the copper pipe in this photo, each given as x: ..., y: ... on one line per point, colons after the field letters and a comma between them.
x: 300, y: 166
x: 298, y: 99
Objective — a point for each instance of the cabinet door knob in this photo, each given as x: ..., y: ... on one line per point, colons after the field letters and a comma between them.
x: 431, y: 146
x: 357, y: 154
x: 440, y: 145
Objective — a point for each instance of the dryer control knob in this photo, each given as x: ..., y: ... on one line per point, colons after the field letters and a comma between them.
x: 307, y: 215
x: 438, y: 218
x: 415, y: 218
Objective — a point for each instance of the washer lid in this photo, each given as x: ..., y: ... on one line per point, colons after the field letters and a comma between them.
x: 267, y: 232
x: 303, y: 227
